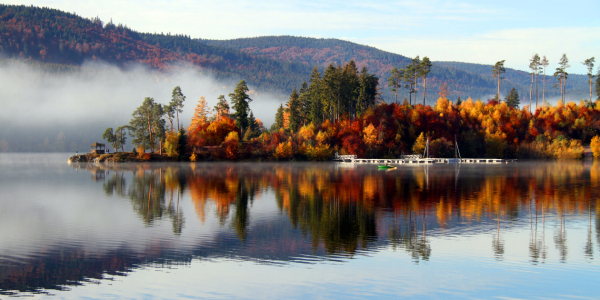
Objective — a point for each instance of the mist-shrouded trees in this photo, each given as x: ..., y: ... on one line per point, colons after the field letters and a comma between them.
x: 497, y: 72
x: 240, y: 100
x: 176, y: 104
x: 294, y: 110
x: 589, y: 63
x: 109, y: 136
x: 222, y: 107
x: 512, y: 99
x: 253, y: 128
x: 118, y: 138
x: 148, y: 126
x: 561, y: 75
x: 279, y: 117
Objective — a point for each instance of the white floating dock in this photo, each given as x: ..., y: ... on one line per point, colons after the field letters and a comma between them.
x: 354, y: 159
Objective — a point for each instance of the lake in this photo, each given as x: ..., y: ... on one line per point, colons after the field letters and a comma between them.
x: 298, y: 230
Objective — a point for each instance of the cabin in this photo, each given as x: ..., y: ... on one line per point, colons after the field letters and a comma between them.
x: 97, y: 148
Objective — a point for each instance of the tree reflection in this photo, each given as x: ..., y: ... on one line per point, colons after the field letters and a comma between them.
x: 147, y: 192
x: 341, y: 210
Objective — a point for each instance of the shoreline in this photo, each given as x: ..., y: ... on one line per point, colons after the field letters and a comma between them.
x: 131, y: 157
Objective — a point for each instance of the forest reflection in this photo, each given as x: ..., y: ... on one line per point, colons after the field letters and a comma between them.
x: 344, y: 208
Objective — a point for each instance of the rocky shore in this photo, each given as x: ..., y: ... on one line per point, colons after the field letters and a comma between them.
x: 119, y: 157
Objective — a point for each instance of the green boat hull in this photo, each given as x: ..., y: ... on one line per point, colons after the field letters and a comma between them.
x: 386, y: 167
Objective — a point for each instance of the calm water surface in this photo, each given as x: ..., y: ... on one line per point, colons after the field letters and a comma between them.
x: 298, y: 230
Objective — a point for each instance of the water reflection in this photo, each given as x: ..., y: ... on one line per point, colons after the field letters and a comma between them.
x: 271, y: 212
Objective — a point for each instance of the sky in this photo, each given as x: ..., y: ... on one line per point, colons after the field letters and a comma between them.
x: 468, y: 31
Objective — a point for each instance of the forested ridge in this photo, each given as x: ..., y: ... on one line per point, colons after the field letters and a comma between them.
x: 272, y: 63
x: 60, y: 38
x: 462, y: 79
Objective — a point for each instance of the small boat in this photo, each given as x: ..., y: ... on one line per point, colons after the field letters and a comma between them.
x: 386, y: 167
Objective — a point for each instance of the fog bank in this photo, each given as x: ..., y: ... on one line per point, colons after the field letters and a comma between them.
x: 37, y: 106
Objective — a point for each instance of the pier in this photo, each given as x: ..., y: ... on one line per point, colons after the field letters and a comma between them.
x: 417, y: 159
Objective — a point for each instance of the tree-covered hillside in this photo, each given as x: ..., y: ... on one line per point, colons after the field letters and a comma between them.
x: 577, y: 86
x: 273, y: 64
x: 50, y: 35
x: 463, y: 79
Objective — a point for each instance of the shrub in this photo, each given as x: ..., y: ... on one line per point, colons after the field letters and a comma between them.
x: 494, y: 147
x: 318, y: 153
x: 441, y: 148
x: 231, y: 144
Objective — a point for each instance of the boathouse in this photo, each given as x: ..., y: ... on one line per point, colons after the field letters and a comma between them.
x: 97, y: 148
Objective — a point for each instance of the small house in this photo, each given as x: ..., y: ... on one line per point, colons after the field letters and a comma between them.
x: 97, y: 148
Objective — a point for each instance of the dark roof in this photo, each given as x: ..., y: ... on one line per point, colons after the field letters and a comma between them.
x: 97, y: 145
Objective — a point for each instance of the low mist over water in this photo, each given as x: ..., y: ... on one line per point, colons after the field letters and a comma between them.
x: 69, y: 110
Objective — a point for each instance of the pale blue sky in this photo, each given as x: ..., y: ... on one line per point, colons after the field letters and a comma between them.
x: 468, y: 31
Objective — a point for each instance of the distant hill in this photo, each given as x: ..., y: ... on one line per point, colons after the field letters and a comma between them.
x: 275, y: 64
x: 54, y: 36
x: 463, y: 79
x: 577, y: 86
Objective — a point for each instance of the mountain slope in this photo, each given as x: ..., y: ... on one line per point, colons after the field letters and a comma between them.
x: 50, y: 35
x: 463, y: 79
x: 577, y: 86
x: 273, y: 64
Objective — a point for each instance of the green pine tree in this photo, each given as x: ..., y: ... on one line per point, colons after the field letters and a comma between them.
x: 241, y: 100
x: 279, y: 117
x: 294, y: 105
x: 512, y: 99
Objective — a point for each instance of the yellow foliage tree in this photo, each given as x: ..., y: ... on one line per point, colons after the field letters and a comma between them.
x: 595, y: 145
x: 284, y: 150
x: 307, y: 132
x: 320, y: 152
x: 200, y: 114
x: 322, y: 137
x: 370, y: 135
x: 419, y: 145
x: 171, y: 141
